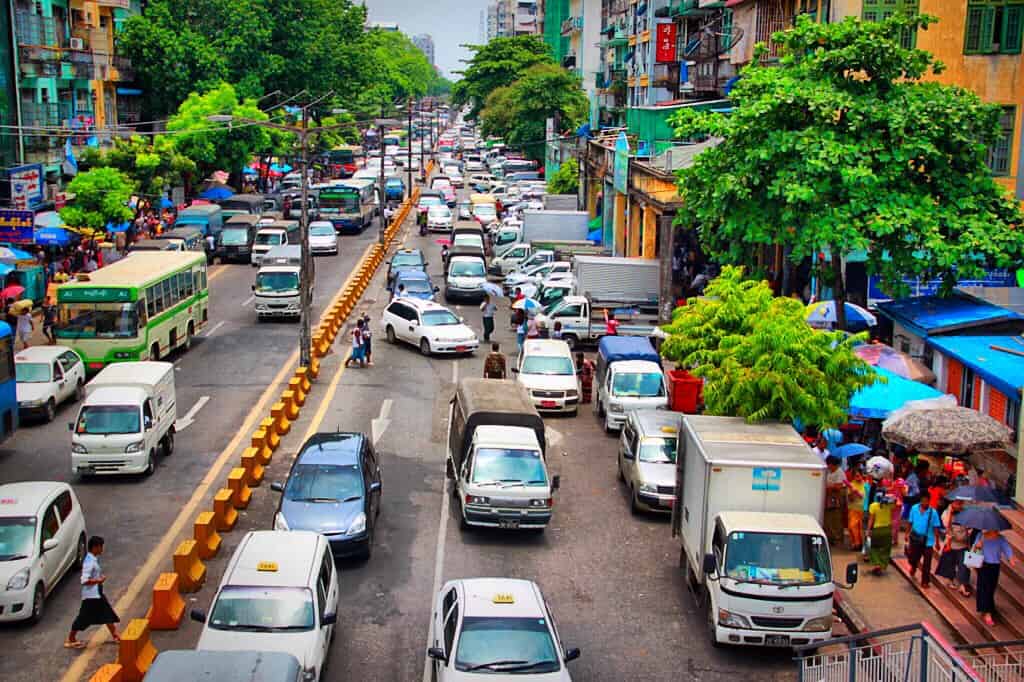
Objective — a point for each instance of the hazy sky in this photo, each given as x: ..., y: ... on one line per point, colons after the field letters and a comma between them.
x: 450, y: 22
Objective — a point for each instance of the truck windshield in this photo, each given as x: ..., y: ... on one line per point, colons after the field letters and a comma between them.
x: 276, y: 282
x: 263, y: 609
x: 499, y: 465
x: 472, y: 268
x: 97, y: 320
x: 638, y: 385
x: 269, y: 238
x: 778, y: 558
x: 234, y: 236
x: 104, y: 420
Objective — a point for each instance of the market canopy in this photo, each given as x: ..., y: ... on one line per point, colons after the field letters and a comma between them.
x: 879, y: 400
x: 954, y: 430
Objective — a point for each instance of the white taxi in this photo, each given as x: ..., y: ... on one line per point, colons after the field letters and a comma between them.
x: 487, y: 628
x: 429, y: 326
x: 547, y: 370
x: 279, y: 593
x: 42, y: 536
x: 47, y: 376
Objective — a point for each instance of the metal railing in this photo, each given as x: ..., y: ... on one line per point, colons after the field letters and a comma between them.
x: 1005, y: 665
x: 34, y: 29
x: 912, y: 653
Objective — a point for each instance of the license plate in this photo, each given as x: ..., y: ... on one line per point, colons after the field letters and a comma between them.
x: 777, y: 640
x: 508, y: 524
x: 460, y: 348
x: 548, y: 403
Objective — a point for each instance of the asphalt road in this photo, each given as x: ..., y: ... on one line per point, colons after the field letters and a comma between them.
x: 230, y: 364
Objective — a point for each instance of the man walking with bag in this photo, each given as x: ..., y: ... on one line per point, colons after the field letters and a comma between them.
x: 925, y: 526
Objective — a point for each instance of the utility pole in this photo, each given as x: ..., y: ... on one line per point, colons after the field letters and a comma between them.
x: 381, y: 200
x: 305, y: 338
x: 408, y: 148
x: 423, y: 164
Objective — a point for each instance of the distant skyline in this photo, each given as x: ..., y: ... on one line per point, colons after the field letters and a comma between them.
x: 449, y: 22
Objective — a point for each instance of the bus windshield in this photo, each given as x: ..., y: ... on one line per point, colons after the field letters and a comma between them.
x: 348, y: 202
x: 97, y: 320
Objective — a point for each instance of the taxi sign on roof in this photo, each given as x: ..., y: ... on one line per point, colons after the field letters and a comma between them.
x: 669, y: 429
x: 268, y: 566
x: 504, y: 598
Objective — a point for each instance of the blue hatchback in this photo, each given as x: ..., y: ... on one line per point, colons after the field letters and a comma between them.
x: 417, y: 285
x: 333, y: 488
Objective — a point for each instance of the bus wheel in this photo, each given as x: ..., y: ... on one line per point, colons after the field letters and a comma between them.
x: 188, y: 336
x: 154, y: 352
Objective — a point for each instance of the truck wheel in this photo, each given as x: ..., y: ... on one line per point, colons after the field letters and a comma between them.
x: 462, y: 518
x: 51, y: 410
x: 150, y: 465
x: 79, y: 390
x: 169, y: 443
x: 621, y: 477
x: 390, y: 333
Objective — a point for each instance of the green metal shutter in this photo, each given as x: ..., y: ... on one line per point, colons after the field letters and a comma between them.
x: 1013, y: 26
x: 972, y: 37
x: 988, y: 29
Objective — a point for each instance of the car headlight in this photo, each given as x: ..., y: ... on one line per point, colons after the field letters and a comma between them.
x: 572, y: 393
x: 648, y: 488
x: 542, y: 502
x: 727, y: 619
x: 19, y: 581
x: 358, y: 525
x: 79, y: 449
x: 477, y: 499
x: 822, y: 624
x: 280, y: 523
x: 31, y: 403
x: 136, y: 446
x: 614, y: 407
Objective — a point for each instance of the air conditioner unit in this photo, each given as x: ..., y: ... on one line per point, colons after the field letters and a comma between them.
x: 77, y: 44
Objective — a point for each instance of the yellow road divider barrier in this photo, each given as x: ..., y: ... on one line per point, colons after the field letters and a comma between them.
x: 136, y: 652
x: 224, y: 512
x: 282, y: 425
x: 253, y: 469
x: 314, y: 367
x: 190, y: 569
x: 269, y: 429
x: 168, y: 606
x: 291, y: 403
x: 236, y: 484
x: 111, y: 672
x: 259, y: 441
x: 298, y: 393
x: 302, y: 374
x: 204, y: 532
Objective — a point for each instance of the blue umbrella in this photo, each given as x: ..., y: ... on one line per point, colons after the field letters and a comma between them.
x: 529, y: 305
x: 123, y: 227
x: 250, y: 171
x: 823, y: 314
x: 973, y: 493
x: 280, y: 168
x: 166, y: 203
x: 879, y: 400
x: 982, y: 518
x: 850, y: 450
x: 218, y: 193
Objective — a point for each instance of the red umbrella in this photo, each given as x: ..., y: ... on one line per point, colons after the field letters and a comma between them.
x: 13, y: 291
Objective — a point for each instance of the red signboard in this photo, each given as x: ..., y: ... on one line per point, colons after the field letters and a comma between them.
x: 666, y: 46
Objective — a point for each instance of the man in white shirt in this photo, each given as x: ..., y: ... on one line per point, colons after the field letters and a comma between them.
x: 95, y: 609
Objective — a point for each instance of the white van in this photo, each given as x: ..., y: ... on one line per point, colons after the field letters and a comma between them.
x: 547, y: 370
x: 128, y: 415
x: 278, y: 233
x: 279, y: 593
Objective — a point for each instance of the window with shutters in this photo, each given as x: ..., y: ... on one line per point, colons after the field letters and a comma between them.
x: 877, y: 10
x: 994, y: 27
x: 999, y: 153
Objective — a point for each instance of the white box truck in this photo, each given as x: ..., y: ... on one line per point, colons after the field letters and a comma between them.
x: 748, y: 505
x: 276, y: 292
x: 127, y: 417
x: 555, y: 225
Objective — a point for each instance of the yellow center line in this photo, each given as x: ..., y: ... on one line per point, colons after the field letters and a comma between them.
x: 212, y: 274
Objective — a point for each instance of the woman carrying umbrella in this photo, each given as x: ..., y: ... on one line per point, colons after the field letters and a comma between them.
x: 951, y: 562
x: 993, y: 548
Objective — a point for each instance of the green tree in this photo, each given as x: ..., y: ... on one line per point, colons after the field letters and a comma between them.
x: 101, y: 197
x: 497, y: 64
x: 153, y: 164
x: 566, y: 180
x: 219, y: 146
x: 760, y: 359
x: 519, y: 113
x: 843, y: 146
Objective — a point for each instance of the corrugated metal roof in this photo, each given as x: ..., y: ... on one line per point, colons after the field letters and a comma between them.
x: 1002, y: 370
x: 929, y: 315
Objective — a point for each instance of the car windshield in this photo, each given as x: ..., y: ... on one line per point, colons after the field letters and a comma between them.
x: 778, y: 558
x: 440, y: 212
x: 267, y: 282
x: 638, y: 385
x: 234, y: 236
x: 430, y: 201
x: 406, y: 259
x: 103, y: 420
x: 324, y: 482
x: 547, y: 364
x: 269, y: 238
x: 97, y: 320
x: 321, y: 230
x: 471, y: 240
x: 17, y: 534
x: 498, y: 645
x: 417, y: 286
x: 658, y: 450
x: 520, y: 467
x: 263, y: 609
x: 468, y: 269
x: 31, y: 372
x: 439, y: 318
x: 485, y: 210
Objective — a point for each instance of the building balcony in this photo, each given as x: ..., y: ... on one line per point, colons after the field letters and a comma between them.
x: 33, y: 29
x: 93, y: 38
x: 572, y: 25
x: 45, y: 114
x: 121, y: 70
x: 666, y: 75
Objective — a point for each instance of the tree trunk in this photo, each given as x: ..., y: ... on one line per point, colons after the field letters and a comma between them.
x: 838, y: 288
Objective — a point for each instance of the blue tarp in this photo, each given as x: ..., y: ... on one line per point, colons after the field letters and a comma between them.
x: 934, y: 315
x: 879, y: 400
x: 1003, y: 371
x: 217, y: 194
x: 123, y: 227
x: 615, y: 348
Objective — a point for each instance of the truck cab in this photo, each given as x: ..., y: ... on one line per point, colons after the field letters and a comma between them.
x: 278, y: 233
x: 277, y: 289
x: 507, y: 260
x: 629, y: 377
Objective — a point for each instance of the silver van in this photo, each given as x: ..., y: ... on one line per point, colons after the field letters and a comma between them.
x: 647, y: 458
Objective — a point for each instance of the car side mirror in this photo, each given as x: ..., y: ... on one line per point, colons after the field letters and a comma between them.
x: 71, y: 427
x: 710, y: 565
x: 329, y: 619
x: 425, y: 264
x: 572, y: 654
x: 852, y: 573
x: 197, y: 615
x: 437, y: 653
x: 148, y: 421
x: 50, y: 544
x: 375, y: 487
x: 277, y: 487
x: 254, y: 287
x: 556, y: 482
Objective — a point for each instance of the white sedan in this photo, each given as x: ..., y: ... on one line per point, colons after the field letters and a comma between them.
x: 439, y: 219
x: 323, y: 238
x: 47, y: 376
x: 430, y: 327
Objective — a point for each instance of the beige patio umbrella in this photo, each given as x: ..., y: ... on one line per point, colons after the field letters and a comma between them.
x: 952, y: 430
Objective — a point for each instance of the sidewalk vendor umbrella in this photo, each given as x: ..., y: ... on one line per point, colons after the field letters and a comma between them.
x: 280, y: 168
x: 879, y: 400
x: 973, y: 493
x: 530, y: 305
x: 11, y: 291
x: 982, y: 518
x: 850, y: 450
x: 48, y: 219
x: 822, y: 315
x: 957, y: 430
x: 887, y: 357
x: 878, y: 468
x: 492, y: 289
x: 7, y: 253
x: 217, y: 193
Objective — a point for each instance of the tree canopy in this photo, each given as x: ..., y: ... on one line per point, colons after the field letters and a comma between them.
x: 844, y: 146
x: 760, y: 359
x: 152, y: 164
x: 566, y: 180
x: 101, y: 197
x: 497, y: 64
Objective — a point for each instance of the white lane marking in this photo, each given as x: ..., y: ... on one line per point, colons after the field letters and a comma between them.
x: 381, y: 423
x: 190, y: 416
x: 210, y: 332
x: 442, y: 529
x: 248, y: 300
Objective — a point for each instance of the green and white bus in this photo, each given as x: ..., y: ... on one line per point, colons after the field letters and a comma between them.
x: 140, y: 308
